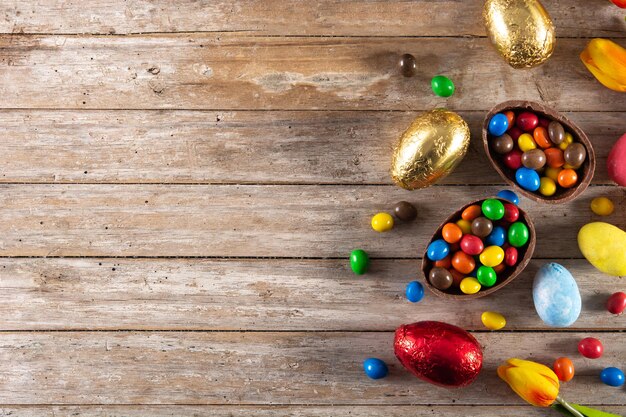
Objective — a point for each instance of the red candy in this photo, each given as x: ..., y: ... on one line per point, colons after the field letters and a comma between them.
x: 590, y: 347
x: 513, y: 159
x: 527, y: 121
x: 511, y: 212
x: 544, y: 123
x: 472, y: 245
x: 616, y: 303
x: 514, y: 133
x: 510, y: 256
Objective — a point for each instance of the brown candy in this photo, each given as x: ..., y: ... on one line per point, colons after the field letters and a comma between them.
x: 405, y: 211
x: 503, y: 144
x: 440, y: 278
x: 556, y: 132
x: 408, y: 65
x: 534, y: 159
x: 575, y: 155
x: 481, y: 226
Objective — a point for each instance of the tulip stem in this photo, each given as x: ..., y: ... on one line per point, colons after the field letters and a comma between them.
x: 568, y: 407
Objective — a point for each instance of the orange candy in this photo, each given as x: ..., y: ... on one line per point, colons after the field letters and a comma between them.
x: 463, y: 262
x: 499, y: 268
x: 540, y: 134
x: 457, y: 277
x: 510, y: 116
x: 564, y: 369
x: 554, y: 157
x: 567, y: 178
x: 451, y: 233
x: 444, y: 263
x: 471, y: 212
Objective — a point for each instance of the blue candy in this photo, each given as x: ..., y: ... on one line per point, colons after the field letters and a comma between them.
x: 509, y: 195
x: 613, y: 377
x: 497, y: 237
x: 498, y: 124
x: 375, y: 368
x: 414, y: 292
x: 527, y: 178
x: 437, y: 250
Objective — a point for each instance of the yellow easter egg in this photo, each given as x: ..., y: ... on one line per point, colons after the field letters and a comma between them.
x: 604, y: 246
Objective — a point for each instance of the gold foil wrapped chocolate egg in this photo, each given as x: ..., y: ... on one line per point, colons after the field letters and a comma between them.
x: 521, y: 31
x: 429, y: 149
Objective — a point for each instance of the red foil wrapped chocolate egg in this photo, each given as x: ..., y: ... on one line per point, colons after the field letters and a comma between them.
x: 439, y: 353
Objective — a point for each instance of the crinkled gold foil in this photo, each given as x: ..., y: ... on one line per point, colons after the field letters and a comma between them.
x: 429, y: 149
x: 521, y: 31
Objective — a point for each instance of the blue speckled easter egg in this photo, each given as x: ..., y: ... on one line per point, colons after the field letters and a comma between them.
x: 556, y: 295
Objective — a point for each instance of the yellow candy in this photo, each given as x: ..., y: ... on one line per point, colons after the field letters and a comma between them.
x: 547, y: 186
x: 552, y: 173
x: 493, y: 320
x: 526, y: 142
x: 470, y: 285
x: 492, y: 256
x: 566, y: 141
x: 382, y: 222
x: 466, y: 227
x: 602, y: 206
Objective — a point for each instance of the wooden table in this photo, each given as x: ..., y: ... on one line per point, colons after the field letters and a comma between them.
x: 182, y: 183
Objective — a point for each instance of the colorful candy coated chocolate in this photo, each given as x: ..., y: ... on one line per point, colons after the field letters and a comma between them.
x: 527, y: 178
x: 466, y: 226
x: 451, y: 233
x: 552, y: 173
x: 514, y: 132
x: 564, y: 369
x: 556, y: 295
x: 493, y: 209
x: 510, y: 117
x: 498, y: 124
x: 497, y: 237
x: 472, y: 245
x: 502, y: 144
x: 540, y: 134
x: 602, y: 206
x: 471, y: 212
x: 616, y: 162
x: 463, y: 262
x: 375, y: 368
x: 437, y: 250
x: 509, y: 195
x: 407, y: 65
x: 492, y: 256
x: 616, y: 304
x: 547, y: 186
x: 526, y: 142
x: 591, y: 348
x: 445, y: 262
x: 414, y: 292
x: 470, y: 285
x: 442, y: 86
x: 527, y: 121
x: 359, y: 261
x: 493, y: 320
x: 405, y: 211
x: 440, y: 278
x: 568, y: 140
x: 382, y: 222
x: 513, y: 159
x: 575, y: 155
x: 556, y: 132
x: 567, y: 178
x: 486, y: 276
x: 511, y: 212
x: 534, y: 159
x: 613, y: 377
x: 518, y: 234
x: 481, y: 226
x: 554, y: 157
x: 510, y: 256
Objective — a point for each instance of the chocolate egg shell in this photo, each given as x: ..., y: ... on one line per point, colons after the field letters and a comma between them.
x: 523, y: 256
x: 520, y: 30
x: 439, y: 353
x: 432, y: 146
x: 562, y: 195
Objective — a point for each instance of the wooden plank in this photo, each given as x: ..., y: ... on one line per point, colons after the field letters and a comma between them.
x: 327, y: 17
x: 280, y: 410
x: 213, y: 146
x: 196, y: 294
x: 274, y: 221
x: 222, y: 71
x: 261, y: 368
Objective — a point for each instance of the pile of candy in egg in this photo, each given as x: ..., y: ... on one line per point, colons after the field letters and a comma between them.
x: 543, y: 155
x: 479, y: 249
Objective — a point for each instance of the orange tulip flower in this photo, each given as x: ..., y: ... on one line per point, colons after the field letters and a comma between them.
x: 606, y: 60
x: 535, y: 383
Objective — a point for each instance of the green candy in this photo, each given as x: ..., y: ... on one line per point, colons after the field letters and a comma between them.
x: 359, y: 261
x: 493, y: 209
x: 442, y: 86
x: 518, y: 234
x: 486, y: 275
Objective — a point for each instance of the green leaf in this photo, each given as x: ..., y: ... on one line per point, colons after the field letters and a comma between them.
x: 591, y: 412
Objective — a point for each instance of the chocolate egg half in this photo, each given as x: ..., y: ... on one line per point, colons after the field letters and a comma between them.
x: 429, y: 149
x: 521, y: 31
x: 439, y: 353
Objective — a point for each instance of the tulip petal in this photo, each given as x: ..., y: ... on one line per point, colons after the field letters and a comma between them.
x: 535, y: 383
x: 606, y: 60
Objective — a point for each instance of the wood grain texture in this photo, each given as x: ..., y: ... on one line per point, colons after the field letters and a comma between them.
x: 279, y: 411
x: 213, y: 146
x: 328, y: 17
x: 249, y: 220
x: 262, y: 368
x: 227, y: 71
x: 246, y: 294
